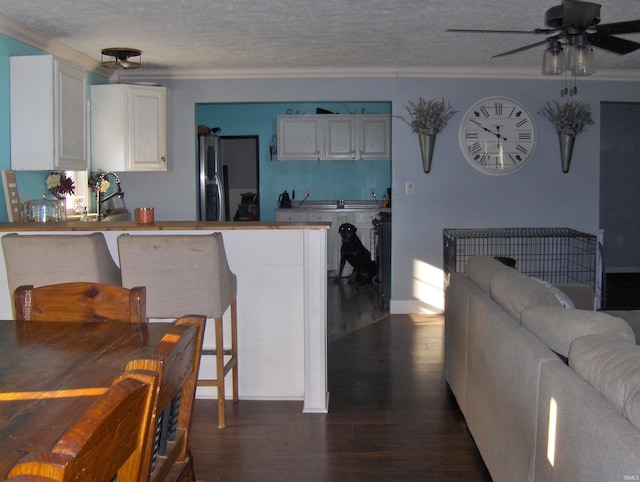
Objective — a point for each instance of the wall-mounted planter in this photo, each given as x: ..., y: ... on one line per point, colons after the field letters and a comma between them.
x: 566, y: 150
x: 427, y: 144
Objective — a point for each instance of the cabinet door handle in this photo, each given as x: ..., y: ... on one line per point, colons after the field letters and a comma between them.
x: 163, y: 159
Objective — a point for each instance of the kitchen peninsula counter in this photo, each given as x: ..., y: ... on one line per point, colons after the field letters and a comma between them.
x: 282, y: 299
x: 92, y: 226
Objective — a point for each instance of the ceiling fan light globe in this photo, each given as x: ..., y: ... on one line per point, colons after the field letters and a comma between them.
x: 553, y: 61
x: 581, y: 60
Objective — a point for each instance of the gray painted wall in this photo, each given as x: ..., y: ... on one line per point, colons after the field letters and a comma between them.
x: 452, y: 195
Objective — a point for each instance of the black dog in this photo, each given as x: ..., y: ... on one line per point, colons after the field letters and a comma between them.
x: 354, y: 252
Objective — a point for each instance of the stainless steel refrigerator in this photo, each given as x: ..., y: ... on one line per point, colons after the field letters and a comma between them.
x: 211, y: 188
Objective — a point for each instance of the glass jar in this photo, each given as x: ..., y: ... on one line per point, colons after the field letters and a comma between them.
x: 44, y: 210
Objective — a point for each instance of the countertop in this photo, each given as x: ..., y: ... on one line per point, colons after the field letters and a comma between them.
x: 332, y: 206
x: 159, y: 226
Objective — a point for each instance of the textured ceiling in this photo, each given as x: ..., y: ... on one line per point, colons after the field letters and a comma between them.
x: 358, y: 36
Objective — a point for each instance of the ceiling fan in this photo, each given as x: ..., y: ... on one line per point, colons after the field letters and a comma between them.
x: 577, y: 24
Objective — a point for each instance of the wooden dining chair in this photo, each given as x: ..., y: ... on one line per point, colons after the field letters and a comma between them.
x: 86, y: 302
x: 189, y: 274
x: 108, y: 440
x: 176, y: 360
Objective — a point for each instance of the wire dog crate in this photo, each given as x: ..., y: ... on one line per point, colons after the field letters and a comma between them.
x: 555, y: 255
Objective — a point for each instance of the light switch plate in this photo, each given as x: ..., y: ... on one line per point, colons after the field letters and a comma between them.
x: 410, y: 188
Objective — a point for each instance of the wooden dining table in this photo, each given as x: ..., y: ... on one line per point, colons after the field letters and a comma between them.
x: 51, y: 372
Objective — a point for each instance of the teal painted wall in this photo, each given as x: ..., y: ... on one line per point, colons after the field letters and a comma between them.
x: 327, y: 180
x: 30, y: 183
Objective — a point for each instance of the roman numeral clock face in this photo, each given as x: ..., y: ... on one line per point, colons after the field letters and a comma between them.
x: 497, y: 135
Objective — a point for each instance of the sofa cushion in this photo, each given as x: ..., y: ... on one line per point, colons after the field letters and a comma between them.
x: 557, y: 327
x: 480, y: 270
x: 612, y: 366
x: 562, y: 298
x: 515, y: 291
x: 582, y: 295
x: 632, y: 317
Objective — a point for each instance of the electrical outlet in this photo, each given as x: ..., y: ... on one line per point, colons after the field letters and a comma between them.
x: 307, y: 192
x: 410, y: 188
x: 372, y: 190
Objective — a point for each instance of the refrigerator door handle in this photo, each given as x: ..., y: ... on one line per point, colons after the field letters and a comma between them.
x: 221, y: 209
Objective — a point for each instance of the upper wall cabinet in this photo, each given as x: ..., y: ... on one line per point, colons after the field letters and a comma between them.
x: 48, y: 114
x: 375, y: 136
x: 340, y: 139
x: 334, y: 137
x: 129, y: 127
x: 299, y: 137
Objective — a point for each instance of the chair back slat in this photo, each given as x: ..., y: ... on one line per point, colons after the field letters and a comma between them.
x: 80, y: 301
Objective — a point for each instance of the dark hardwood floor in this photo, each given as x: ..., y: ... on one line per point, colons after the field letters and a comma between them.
x: 391, y: 415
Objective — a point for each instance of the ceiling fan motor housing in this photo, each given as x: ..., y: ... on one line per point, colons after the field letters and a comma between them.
x: 573, y: 15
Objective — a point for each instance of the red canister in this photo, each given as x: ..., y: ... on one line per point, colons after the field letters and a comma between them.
x: 144, y: 215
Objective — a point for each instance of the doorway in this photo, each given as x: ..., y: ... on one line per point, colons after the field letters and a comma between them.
x: 241, y: 177
x: 620, y: 204
x: 619, y: 179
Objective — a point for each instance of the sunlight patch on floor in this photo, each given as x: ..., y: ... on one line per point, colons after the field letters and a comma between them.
x: 428, y: 287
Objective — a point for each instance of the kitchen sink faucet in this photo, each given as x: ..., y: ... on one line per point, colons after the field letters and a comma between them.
x: 100, y: 200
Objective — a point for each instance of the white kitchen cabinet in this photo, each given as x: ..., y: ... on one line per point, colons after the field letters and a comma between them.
x: 334, y: 137
x: 292, y: 215
x: 129, y: 127
x: 375, y: 137
x: 48, y: 114
x: 299, y: 137
x: 364, y: 224
x: 333, y: 246
x: 339, y: 137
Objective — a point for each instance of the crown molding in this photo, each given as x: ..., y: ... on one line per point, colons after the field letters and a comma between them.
x: 27, y: 36
x: 419, y: 72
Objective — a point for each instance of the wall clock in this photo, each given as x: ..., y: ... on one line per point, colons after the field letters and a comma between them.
x: 497, y: 135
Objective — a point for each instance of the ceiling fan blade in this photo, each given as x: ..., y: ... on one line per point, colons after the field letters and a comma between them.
x: 473, y: 30
x: 631, y: 26
x: 613, y: 44
x: 521, y: 49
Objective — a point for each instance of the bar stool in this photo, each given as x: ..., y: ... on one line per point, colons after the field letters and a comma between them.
x: 48, y: 259
x: 187, y: 274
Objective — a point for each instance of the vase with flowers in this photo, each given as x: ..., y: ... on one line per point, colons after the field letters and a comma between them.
x: 59, y: 184
x: 427, y: 119
x: 569, y: 119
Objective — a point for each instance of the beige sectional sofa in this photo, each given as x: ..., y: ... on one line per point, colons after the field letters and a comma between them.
x: 548, y: 392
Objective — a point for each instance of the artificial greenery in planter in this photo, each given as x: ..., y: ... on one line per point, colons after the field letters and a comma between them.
x: 569, y: 119
x: 428, y: 118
